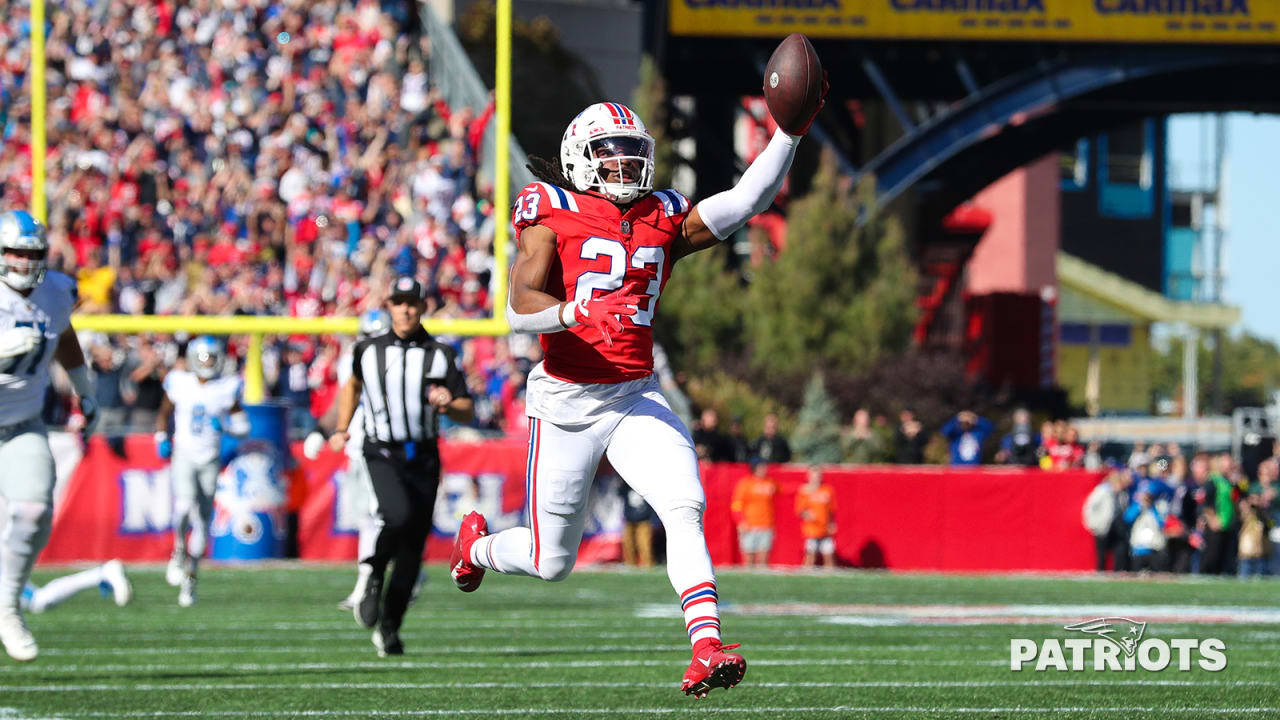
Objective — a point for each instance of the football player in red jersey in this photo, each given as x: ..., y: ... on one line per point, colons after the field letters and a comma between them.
x: 596, y: 246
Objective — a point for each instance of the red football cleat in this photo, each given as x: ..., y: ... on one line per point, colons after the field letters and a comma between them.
x: 466, y: 575
x: 712, y: 667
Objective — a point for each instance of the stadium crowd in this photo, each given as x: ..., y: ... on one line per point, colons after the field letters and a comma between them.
x: 277, y: 158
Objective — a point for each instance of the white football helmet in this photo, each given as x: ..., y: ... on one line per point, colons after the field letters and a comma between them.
x: 20, y: 231
x: 204, y: 357
x: 608, y: 137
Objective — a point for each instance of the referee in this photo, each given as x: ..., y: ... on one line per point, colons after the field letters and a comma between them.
x: 403, y: 379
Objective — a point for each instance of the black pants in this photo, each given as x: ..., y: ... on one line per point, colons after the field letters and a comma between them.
x: 406, y: 492
x: 1219, y: 552
x: 1116, y: 544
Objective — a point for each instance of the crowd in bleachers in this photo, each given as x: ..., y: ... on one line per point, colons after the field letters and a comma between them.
x: 271, y: 157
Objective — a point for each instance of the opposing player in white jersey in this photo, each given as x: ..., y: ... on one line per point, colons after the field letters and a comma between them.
x: 109, y: 578
x: 201, y: 402
x: 35, y: 327
x: 372, y: 324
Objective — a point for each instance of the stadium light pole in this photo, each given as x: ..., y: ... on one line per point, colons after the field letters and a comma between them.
x: 38, y: 202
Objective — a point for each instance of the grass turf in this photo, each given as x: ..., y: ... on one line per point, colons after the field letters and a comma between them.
x: 268, y: 642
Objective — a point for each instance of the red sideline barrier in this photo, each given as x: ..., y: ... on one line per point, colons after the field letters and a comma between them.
x: 121, y: 507
x: 923, y: 518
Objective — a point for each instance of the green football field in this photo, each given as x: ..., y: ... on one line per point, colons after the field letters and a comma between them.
x: 269, y: 642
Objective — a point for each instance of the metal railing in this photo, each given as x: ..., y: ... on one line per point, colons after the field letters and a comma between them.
x: 452, y: 72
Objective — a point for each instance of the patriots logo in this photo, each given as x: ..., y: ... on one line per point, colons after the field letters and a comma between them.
x: 1121, y: 632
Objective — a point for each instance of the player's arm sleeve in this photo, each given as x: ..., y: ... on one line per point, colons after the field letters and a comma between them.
x: 725, y: 212
x: 547, y: 320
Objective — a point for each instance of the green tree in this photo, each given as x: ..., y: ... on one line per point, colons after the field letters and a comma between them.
x: 700, y: 317
x: 650, y: 103
x: 1250, y: 370
x: 817, y: 435
x: 839, y: 295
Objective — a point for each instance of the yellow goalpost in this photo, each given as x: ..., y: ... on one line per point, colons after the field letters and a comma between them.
x: 257, y: 327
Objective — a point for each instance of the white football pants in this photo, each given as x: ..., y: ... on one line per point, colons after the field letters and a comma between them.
x: 651, y: 450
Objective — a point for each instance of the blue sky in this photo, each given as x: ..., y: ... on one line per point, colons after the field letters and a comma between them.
x: 1253, y: 207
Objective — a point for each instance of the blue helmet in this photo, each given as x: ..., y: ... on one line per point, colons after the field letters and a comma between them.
x: 204, y: 357
x: 374, y: 323
x: 20, y: 231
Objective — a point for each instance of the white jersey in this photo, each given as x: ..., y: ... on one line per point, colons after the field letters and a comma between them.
x: 195, y: 406
x: 24, y: 379
x: 355, y: 431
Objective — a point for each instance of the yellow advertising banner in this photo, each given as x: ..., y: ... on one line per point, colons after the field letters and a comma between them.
x: 1143, y: 21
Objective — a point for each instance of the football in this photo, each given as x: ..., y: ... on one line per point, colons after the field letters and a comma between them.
x: 793, y: 83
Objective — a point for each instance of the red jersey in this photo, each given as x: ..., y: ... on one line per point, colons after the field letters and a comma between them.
x: 598, y: 249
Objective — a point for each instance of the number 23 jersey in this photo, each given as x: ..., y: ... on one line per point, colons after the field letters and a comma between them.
x: 24, y: 379
x: 599, y: 248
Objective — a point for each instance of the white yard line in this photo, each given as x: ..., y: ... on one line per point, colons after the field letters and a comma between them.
x: 446, y: 664
x: 913, y: 684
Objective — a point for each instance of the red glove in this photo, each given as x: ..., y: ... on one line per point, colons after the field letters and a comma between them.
x: 804, y: 129
x: 602, y: 313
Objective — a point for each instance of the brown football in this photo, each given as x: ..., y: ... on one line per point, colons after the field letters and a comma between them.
x: 793, y: 82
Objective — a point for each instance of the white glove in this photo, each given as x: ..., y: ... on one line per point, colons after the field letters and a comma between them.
x: 312, y: 446
x: 17, y: 341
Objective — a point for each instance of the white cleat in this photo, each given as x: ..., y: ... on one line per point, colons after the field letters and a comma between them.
x: 18, y: 640
x: 187, y: 592
x: 175, y: 572
x: 121, y: 588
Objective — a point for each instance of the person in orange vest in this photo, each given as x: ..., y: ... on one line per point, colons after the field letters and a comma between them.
x: 816, y: 506
x: 752, y: 510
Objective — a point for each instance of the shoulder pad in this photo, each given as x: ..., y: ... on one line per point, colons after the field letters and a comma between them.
x: 537, y: 201
x: 673, y: 203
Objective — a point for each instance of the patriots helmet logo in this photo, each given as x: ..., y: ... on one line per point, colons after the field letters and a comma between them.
x: 1121, y: 632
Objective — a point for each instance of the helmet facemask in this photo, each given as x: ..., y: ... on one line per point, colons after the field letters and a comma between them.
x: 23, y: 268
x: 205, y: 359
x: 24, y: 250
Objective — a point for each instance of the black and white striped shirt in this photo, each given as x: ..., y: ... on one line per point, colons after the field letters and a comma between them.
x: 397, y: 373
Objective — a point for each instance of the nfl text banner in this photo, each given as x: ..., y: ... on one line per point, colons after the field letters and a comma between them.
x: 118, y: 503
x: 1145, y: 21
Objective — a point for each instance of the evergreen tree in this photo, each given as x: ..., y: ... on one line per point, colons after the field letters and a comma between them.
x: 838, y: 295
x: 650, y: 103
x: 817, y: 435
x: 700, y: 316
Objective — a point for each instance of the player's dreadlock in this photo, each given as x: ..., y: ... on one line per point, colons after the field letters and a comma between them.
x: 549, y: 172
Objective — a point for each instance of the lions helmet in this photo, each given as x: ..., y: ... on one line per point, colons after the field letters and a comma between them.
x: 204, y: 357
x: 374, y: 323
x: 20, y: 231
x: 605, y: 137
